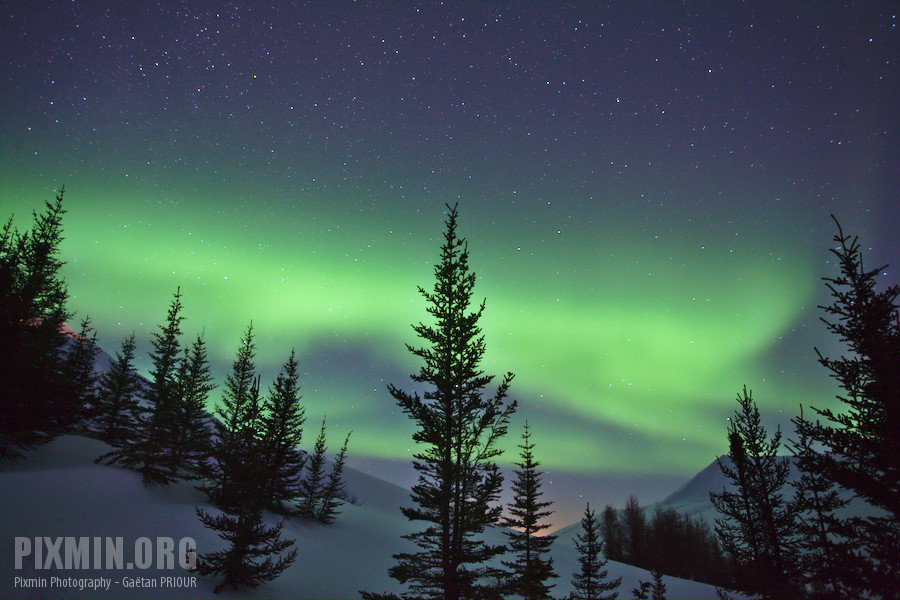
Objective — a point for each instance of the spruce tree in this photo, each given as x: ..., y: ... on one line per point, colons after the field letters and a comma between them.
x: 612, y: 533
x: 237, y: 464
x: 591, y: 580
x: 312, y: 485
x: 634, y: 525
x: 817, y: 501
x: 758, y: 525
x: 334, y: 489
x: 254, y: 554
x: 532, y: 568
x: 151, y: 452
x: 458, y: 429
x: 658, y: 590
x: 282, y: 431
x: 80, y: 379
x: 193, y: 444
x: 33, y: 297
x: 116, y: 418
x: 860, y: 441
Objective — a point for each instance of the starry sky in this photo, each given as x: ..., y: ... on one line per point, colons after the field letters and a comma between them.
x: 645, y: 188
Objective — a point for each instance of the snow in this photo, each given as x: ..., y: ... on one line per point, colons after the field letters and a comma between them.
x: 57, y: 490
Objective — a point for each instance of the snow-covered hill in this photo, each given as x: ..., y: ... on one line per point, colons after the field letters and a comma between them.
x: 58, y: 491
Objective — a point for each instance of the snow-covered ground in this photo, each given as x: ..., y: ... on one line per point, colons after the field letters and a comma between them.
x: 58, y: 491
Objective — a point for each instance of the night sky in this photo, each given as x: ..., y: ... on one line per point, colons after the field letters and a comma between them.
x: 645, y: 188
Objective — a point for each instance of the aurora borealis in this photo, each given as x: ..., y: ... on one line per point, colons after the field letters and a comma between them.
x: 645, y: 188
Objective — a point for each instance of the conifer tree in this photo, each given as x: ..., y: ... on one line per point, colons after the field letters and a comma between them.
x: 33, y: 297
x: 235, y: 470
x: 333, y: 493
x: 658, y: 589
x: 236, y: 480
x: 151, y: 452
x: 116, y: 418
x: 612, y: 533
x: 817, y: 502
x: 642, y: 591
x: 80, y: 379
x: 193, y: 444
x: 532, y: 568
x: 861, y: 445
x: 757, y: 528
x: 634, y: 525
x: 254, y: 554
x: 282, y: 431
x: 458, y: 428
x: 591, y: 581
x: 312, y: 485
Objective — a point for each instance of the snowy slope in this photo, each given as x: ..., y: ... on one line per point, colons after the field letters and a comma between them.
x: 58, y: 491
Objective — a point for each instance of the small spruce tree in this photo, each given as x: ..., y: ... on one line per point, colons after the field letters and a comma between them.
x: 254, y: 554
x: 282, y: 431
x: 79, y: 375
x: 334, y: 489
x: 194, y: 381
x: 591, y: 580
x: 235, y: 469
x: 151, y: 452
x: 531, y: 569
x: 116, y: 418
x: 312, y: 485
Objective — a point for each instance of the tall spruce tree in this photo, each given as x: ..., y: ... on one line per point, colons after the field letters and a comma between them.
x: 458, y: 428
x: 591, y: 581
x: 531, y: 569
x: 194, y: 382
x: 757, y: 528
x: 116, y: 418
x: 282, y: 432
x: 33, y: 297
x: 861, y: 445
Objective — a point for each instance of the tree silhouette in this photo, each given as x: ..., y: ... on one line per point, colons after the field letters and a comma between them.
x: 254, y: 554
x: 193, y: 433
x: 116, y: 418
x: 151, y: 451
x: 861, y: 445
x: 235, y: 472
x: 531, y: 569
x: 282, y: 432
x: 312, y: 485
x: 757, y: 528
x: 591, y: 580
x: 458, y: 428
x: 33, y: 299
x: 334, y: 489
